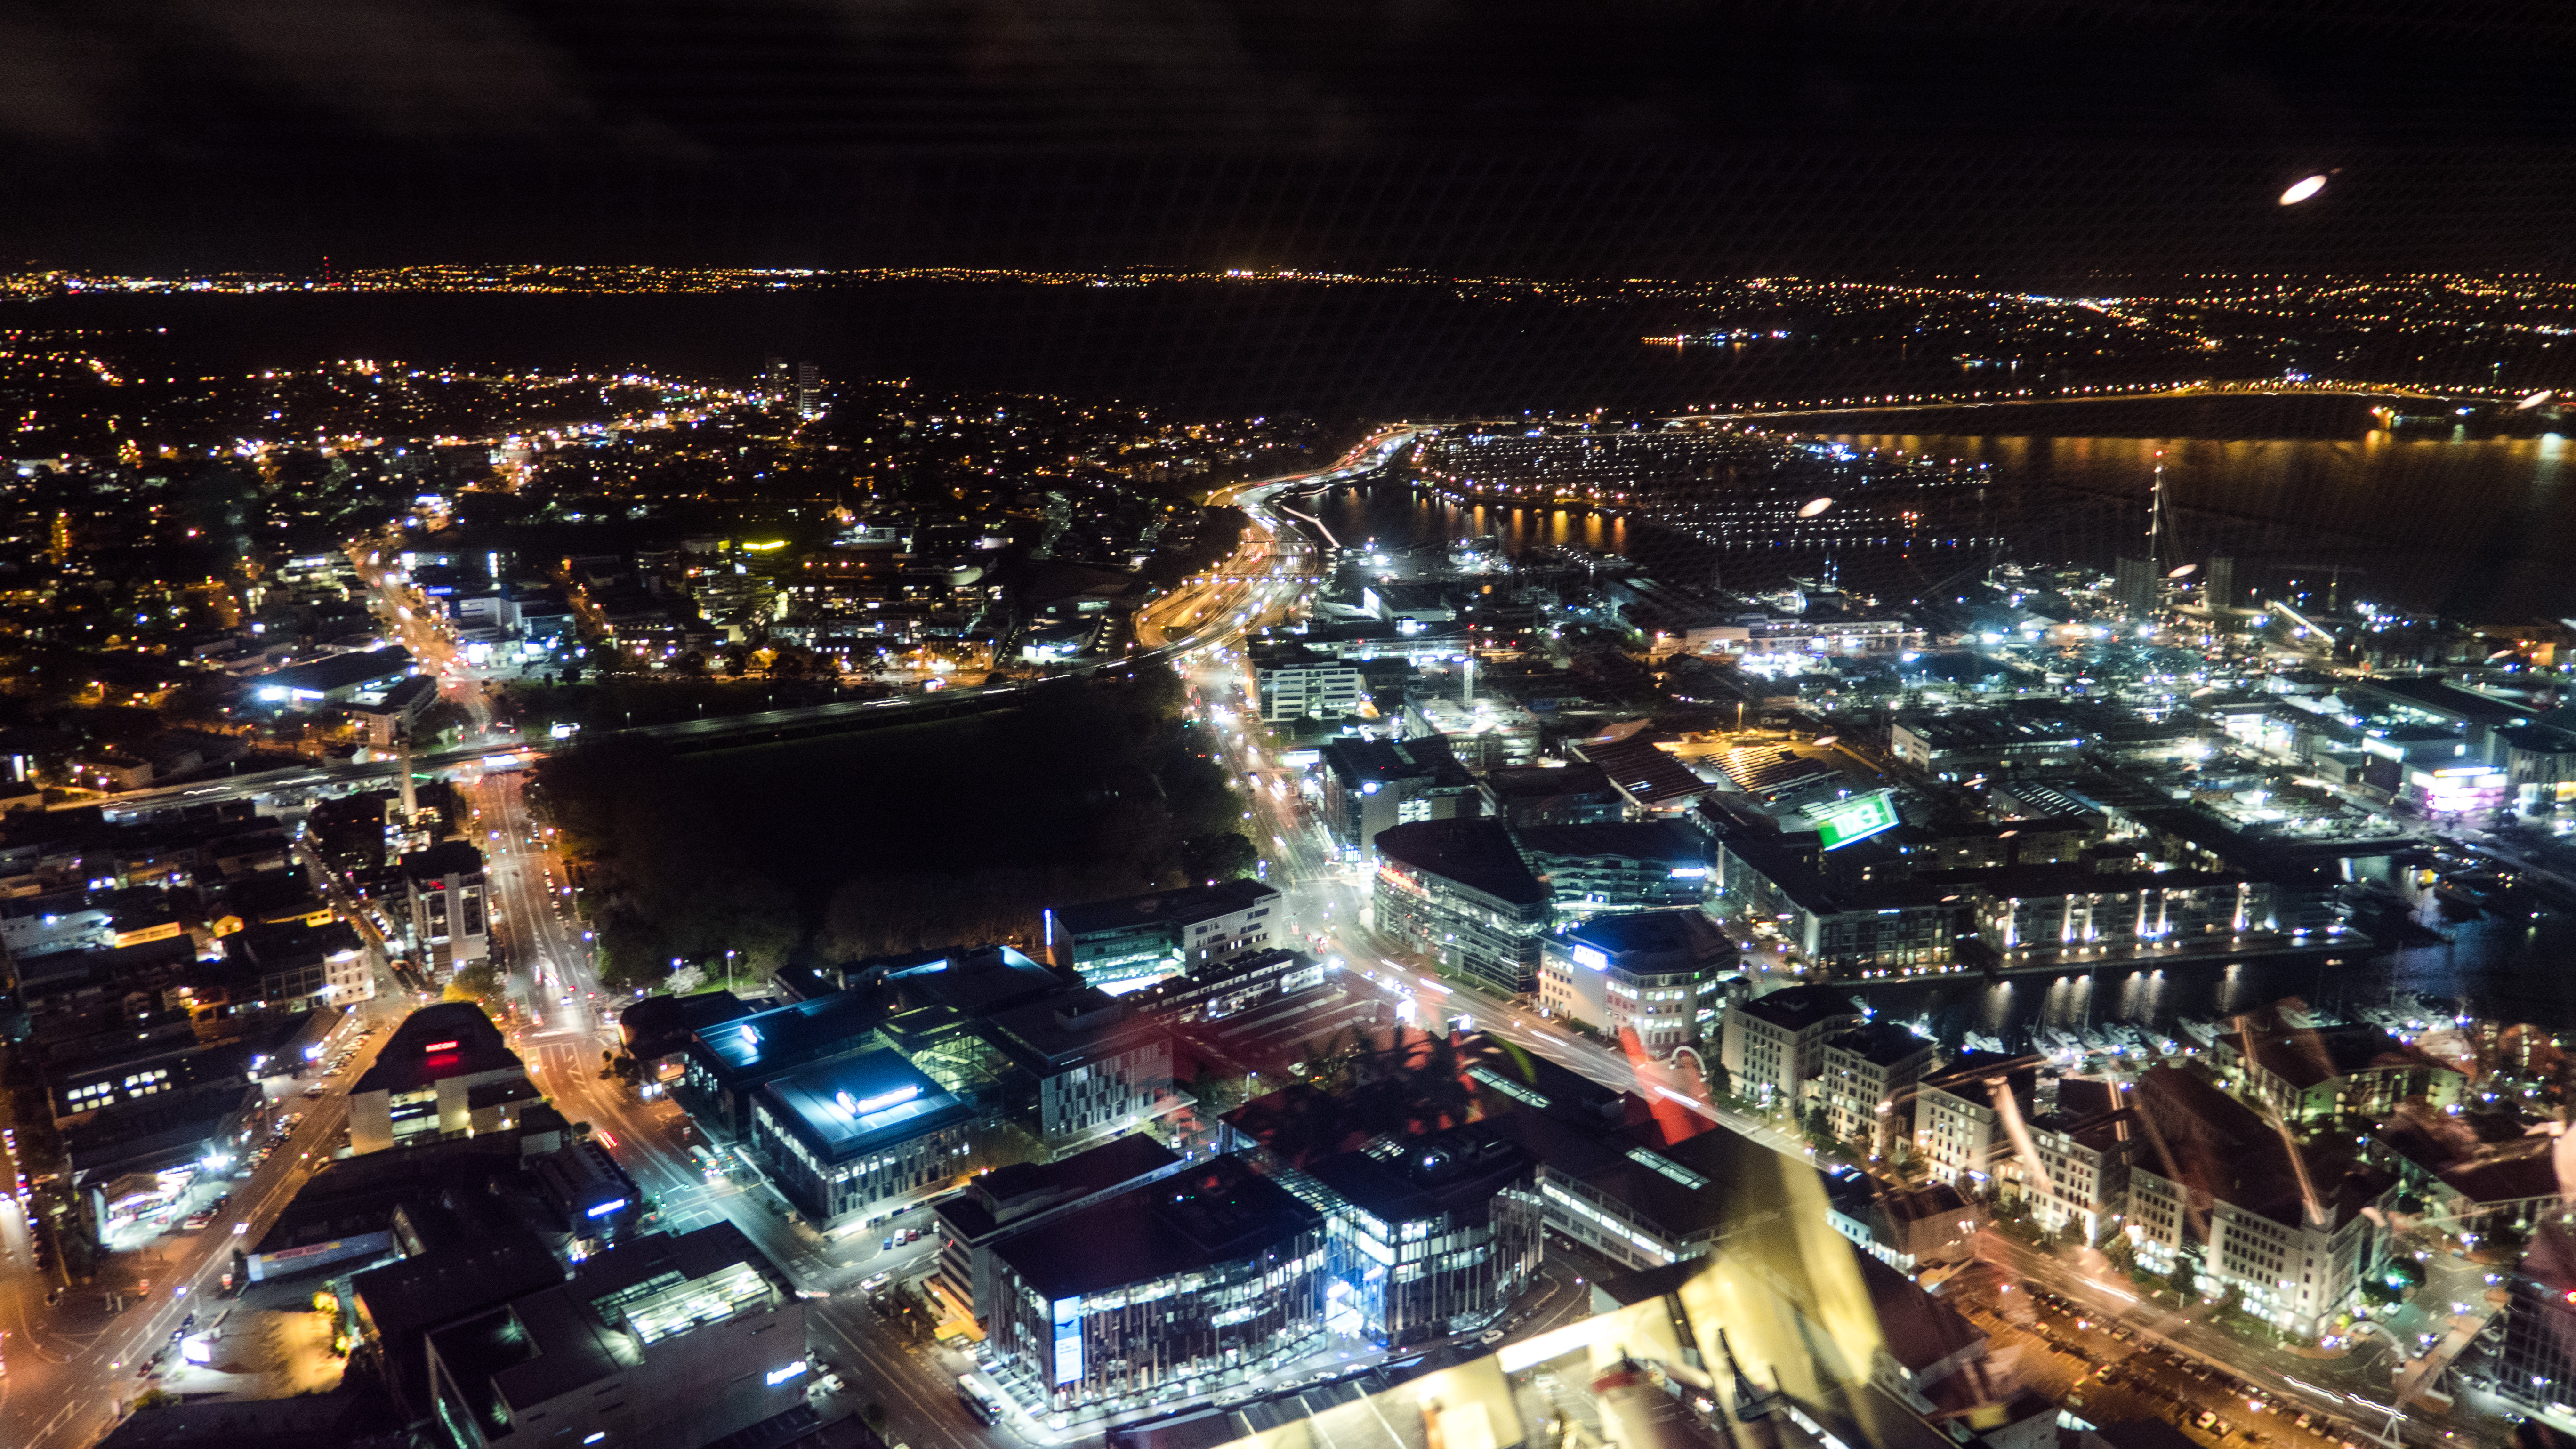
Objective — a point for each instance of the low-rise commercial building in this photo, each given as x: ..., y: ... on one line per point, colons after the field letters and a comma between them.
x: 1852, y: 928
x: 1458, y: 892
x: 848, y: 1135
x: 2319, y: 1073
x: 1291, y: 681
x: 1209, y: 1276
x: 1596, y: 869
x: 1095, y: 1066
x: 1371, y: 786
x: 1430, y: 1235
x: 1227, y: 988
x: 1124, y: 944
x: 2039, y: 911
x: 731, y: 1056
x: 2074, y: 1179
x: 333, y: 680
x: 445, y: 1069
x: 450, y: 924
x: 1007, y: 1199
x: 1958, y: 1129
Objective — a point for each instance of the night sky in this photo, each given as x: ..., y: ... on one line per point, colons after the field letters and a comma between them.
x: 1606, y: 137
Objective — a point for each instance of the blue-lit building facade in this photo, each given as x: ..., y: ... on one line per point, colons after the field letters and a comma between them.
x: 846, y: 1134
x: 1426, y: 1236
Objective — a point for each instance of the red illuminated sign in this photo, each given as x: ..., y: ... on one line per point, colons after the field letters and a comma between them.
x: 440, y: 1046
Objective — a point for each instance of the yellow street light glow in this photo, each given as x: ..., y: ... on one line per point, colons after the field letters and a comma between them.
x: 766, y: 547
x: 2302, y: 189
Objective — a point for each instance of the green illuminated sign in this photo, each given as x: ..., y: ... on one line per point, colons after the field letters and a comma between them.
x: 1857, y: 818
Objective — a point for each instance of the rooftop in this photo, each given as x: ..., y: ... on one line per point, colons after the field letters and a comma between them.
x: 1356, y: 763
x: 448, y: 857
x: 1416, y: 1178
x: 848, y: 1106
x: 1182, y: 907
x: 1217, y: 1213
x: 1656, y: 840
x: 763, y: 1044
x: 449, y: 1039
x: 1880, y: 1043
x: 2310, y: 1056
x: 1796, y: 1008
x: 977, y: 981
x: 339, y: 671
x: 1642, y: 772
x: 1478, y: 854
x: 2208, y: 1142
x: 1653, y: 931
x: 997, y: 1198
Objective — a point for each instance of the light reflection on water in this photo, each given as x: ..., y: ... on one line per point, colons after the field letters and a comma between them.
x: 2507, y: 970
x: 1400, y: 517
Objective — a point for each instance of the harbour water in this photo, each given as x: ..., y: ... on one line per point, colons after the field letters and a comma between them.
x: 2474, y: 527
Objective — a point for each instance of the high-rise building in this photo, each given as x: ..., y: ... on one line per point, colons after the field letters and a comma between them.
x: 2218, y: 583
x: 809, y: 395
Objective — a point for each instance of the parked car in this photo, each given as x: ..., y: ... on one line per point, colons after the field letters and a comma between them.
x: 196, y: 1222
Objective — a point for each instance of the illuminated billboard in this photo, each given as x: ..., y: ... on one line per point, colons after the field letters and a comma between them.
x: 1856, y: 818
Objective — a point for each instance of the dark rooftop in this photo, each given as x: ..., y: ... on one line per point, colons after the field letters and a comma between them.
x: 2208, y: 1142
x: 1477, y: 854
x: 1409, y: 1179
x: 1795, y: 1008
x: 448, y: 857
x: 1356, y: 762
x: 2306, y: 1057
x: 1881, y: 1043
x: 765, y: 1044
x: 997, y: 1197
x: 660, y: 1025
x: 1185, y: 905
x: 339, y: 671
x: 1637, y: 840
x: 1217, y: 1213
x: 449, y: 1039
x: 1655, y: 931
